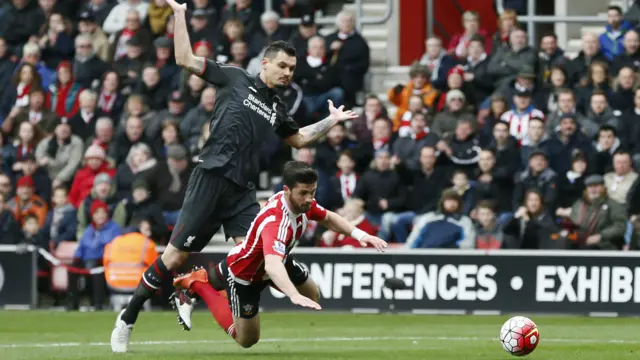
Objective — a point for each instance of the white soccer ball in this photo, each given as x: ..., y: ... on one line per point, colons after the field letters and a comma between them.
x: 519, y: 336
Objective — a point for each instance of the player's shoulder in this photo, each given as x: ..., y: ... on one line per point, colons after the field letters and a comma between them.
x: 274, y: 204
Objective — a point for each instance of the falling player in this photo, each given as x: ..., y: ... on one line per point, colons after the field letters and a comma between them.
x: 259, y: 260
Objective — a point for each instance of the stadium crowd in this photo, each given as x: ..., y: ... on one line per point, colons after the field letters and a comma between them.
x: 495, y: 143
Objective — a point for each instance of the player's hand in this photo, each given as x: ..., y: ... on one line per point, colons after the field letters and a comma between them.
x: 340, y: 114
x: 303, y: 301
x: 177, y: 8
x: 377, y: 243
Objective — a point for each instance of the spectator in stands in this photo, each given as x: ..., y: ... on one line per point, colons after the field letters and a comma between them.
x: 296, y: 8
x: 6, y: 187
x: 232, y: 30
x: 201, y: 27
x: 328, y: 151
x: 154, y: 91
x: 191, y: 126
x: 89, y: 253
x: 630, y: 56
x: 416, y: 107
x: 523, y: 111
x: 597, y: 79
x: 425, y: 186
x: 24, y: 81
x: 564, y: 142
x: 39, y: 175
x: 489, y: 233
x: 28, y: 137
x: 27, y: 202
x: 130, y: 65
x: 136, y: 106
x: 102, y: 190
x: 525, y: 80
x: 406, y: 150
x: 619, y: 181
x: 600, y: 113
x: 89, y: 24
x: 133, y: 134
x: 56, y: 41
x: 88, y: 68
x: 350, y: 52
x: 83, y: 124
x: 589, y: 54
x: 611, y: 41
x: 420, y: 85
x: 9, y: 227
x: 558, y: 80
x: 462, y: 149
x: 94, y: 163
x: 31, y: 235
x: 344, y: 183
x: 120, y: 17
x: 492, y: 184
x: 63, y: 97
x: 497, y: 107
x: 139, y: 163
x: 353, y: 211
x: 49, y: 7
x: 536, y: 139
x: 455, y: 81
x: 164, y: 61
x: 447, y: 227
x: 598, y: 220
x: 170, y: 133
x: 110, y: 101
x: 100, y: 9
x: 381, y: 138
x: 19, y: 21
x: 532, y: 227
x: 361, y: 127
x: 475, y: 67
x: 462, y: 187
x: 319, y: 80
x: 269, y: 32
x: 549, y: 57
x: 174, y: 110
x: 445, y: 122
x: 31, y: 54
x: 36, y: 113
x: 380, y: 188
x: 7, y: 64
x: 61, y: 154
x: 168, y: 182
x: 508, y: 61
x: 607, y: 145
x: 459, y: 44
x: 242, y: 10
x: 571, y: 183
x: 103, y: 135
x: 507, y: 21
x: 138, y: 204
x: 538, y: 177
x: 61, y: 222
x: 239, y: 54
x: 623, y: 90
x: 193, y: 90
x: 300, y: 38
x: 567, y: 107
x: 631, y: 121
x: 157, y: 14
x: 437, y: 62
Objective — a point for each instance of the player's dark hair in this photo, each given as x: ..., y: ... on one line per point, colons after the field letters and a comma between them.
x: 298, y: 172
x: 275, y: 47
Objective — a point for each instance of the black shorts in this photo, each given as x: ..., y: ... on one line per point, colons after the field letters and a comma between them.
x: 211, y: 201
x: 244, y: 299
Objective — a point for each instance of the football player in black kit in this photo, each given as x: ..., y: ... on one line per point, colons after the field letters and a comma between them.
x: 219, y: 192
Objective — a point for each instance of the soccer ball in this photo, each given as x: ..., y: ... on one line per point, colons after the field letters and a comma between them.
x: 519, y: 336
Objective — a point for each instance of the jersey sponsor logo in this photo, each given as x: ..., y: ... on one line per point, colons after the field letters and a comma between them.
x: 261, y: 108
x: 189, y: 241
x: 279, y: 247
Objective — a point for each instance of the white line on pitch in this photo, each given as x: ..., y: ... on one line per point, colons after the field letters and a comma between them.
x: 324, y: 339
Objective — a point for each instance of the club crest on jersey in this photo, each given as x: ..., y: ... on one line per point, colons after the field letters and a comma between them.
x: 248, y: 309
x: 279, y: 247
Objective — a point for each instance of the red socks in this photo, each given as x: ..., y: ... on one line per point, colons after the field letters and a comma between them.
x: 217, y: 304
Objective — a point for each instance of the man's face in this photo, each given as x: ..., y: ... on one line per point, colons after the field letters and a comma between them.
x: 134, y: 51
x: 208, y: 99
x: 450, y: 206
x: 88, y: 103
x: 198, y: 23
x: 60, y: 198
x: 455, y: 103
x: 626, y: 77
x: 537, y: 163
x: 140, y: 195
x: 500, y: 132
x: 36, y: 101
x: 270, y: 26
x: 595, y: 191
x: 381, y: 130
x: 460, y: 180
x: 29, y: 168
x: 47, y: 5
x: 317, y: 48
x: 566, y: 103
x: 134, y: 129
x: 383, y: 161
x: 24, y: 192
x: 150, y: 76
x: 84, y: 48
x: 177, y: 107
x: 518, y: 39
x: 346, y: 24
x: 103, y: 190
x: 308, y: 31
x: 336, y: 135
x: 606, y: 139
x: 104, y: 133
x: 239, y: 50
x: 163, y: 53
x: 590, y: 44
x: 487, y: 161
x: 301, y: 197
x: 522, y: 102
x: 418, y: 124
x: 598, y: 104
x: 614, y: 18
x: 567, y: 127
x: 87, y: 27
x: 476, y: 48
x: 463, y: 130
x: 5, y: 185
x: 536, y: 130
x: 486, y: 216
x: 428, y: 158
x: 132, y: 21
x: 434, y: 48
x: 63, y: 131
x: 306, y: 156
x: 279, y: 70
x: 631, y: 42
x: 622, y: 164
x: 549, y: 44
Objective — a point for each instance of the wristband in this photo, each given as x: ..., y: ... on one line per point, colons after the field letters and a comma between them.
x: 358, y: 234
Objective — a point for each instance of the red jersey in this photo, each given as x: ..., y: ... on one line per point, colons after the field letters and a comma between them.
x: 274, y: 231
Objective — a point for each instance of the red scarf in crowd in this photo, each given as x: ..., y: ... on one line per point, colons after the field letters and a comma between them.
x: 347, y: 184
x: 106, y: 102
x: 378, y: 144
x: 419, y: 136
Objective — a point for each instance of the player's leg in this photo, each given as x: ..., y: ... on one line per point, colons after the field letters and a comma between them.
x: 198, y: 206
x: 299, y: 276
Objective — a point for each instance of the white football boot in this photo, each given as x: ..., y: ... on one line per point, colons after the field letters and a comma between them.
x: 183, y: 303
x: 121, y: 335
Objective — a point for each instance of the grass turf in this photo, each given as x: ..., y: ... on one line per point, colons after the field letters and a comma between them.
x: 38, y: 335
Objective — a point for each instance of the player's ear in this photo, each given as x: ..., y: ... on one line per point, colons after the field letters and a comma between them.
x: 286, y: 188
x: 264, y: 62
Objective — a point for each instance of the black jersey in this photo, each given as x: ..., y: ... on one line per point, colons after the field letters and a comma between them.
x: 245, y: 110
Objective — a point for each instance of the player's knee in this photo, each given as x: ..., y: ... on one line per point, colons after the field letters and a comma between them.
x: 247, y: 341
x: 173, y: 258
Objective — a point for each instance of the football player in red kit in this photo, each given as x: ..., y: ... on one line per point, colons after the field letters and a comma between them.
x: 259, y: 260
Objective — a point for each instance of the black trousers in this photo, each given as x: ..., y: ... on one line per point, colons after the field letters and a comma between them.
x: 95, y: 282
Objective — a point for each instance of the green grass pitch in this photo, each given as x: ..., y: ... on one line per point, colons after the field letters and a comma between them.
x: 39, y: 335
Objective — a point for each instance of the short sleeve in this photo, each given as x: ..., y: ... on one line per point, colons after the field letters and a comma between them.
x: 286, y: 126
x: 215, y: 73
x: 317, y: 212
x: 271, y: 243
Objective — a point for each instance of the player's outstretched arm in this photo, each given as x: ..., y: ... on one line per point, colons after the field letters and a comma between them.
x: 339, y: 224
x: 310, y: 134
x: 274, y: 267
